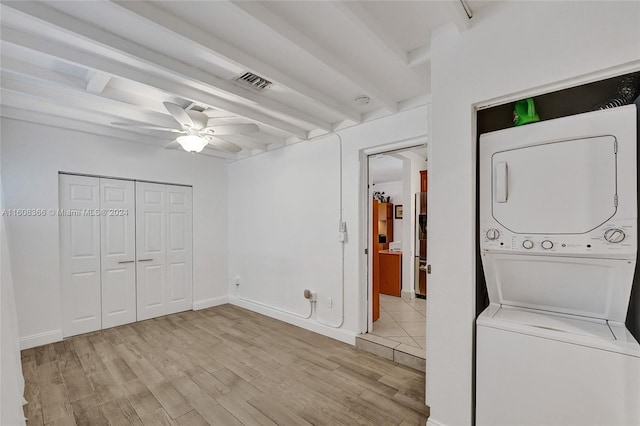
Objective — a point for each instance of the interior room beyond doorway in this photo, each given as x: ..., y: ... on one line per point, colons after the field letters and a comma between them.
x: 397, y: 246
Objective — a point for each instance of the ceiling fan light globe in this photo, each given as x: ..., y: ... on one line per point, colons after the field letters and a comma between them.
x: 192, y: 143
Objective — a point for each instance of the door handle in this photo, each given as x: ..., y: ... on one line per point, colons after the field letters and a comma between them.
x: 501, y: 182
x: 145, y: 260
x: 127, y: 261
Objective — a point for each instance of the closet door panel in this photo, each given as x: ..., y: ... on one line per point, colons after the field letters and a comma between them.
x: 179, y: 248
x: 79, y: 198
x: 117, y: 204
x: 151, y: 249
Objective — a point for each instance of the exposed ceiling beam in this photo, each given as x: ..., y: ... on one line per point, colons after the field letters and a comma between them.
x: 17, y: 111
x: 109, y: 66
x: 96, y: 105
x: 359, y: 18
x: 419, y: 55
x: 97, y: 82
x: 84, y: 101
x: 18, y: 67
x: 143, y: 58
x: 207, y: 45
x: 282, y: 28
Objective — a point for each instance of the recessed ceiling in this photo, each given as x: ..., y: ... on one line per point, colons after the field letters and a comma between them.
x: 88, y: 64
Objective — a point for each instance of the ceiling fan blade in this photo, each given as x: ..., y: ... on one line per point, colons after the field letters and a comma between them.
x: 173, y: 145
x: 145, y: 126
x: 233, y: 129
x: 198, y: 118
x: 179, y: 114
x: 223, y: 144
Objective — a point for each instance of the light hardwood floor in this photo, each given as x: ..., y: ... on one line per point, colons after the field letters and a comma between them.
x: 219, y: 366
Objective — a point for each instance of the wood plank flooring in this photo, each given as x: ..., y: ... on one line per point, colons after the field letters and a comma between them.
x: 219, y: 366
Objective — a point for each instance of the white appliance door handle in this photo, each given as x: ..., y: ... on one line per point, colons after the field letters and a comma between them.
x: 500, y: 182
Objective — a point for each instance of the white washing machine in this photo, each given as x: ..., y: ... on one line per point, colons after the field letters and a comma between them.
x: 558, y: 219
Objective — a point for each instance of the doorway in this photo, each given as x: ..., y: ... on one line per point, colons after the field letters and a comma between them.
x: 396, y: 209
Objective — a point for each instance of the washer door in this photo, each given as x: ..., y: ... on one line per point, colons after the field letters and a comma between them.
x: 594, y: 288
x: 565, y: 187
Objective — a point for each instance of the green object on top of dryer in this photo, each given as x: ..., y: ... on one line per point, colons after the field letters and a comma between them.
x: 524, y: 112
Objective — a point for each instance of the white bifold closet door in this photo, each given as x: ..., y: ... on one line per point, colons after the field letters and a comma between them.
x: 125, y: 249
x: 80, y: 254
x: 164, y: 249
x: 179, y: 248
x: 118, y: 241
x: 97, y: 249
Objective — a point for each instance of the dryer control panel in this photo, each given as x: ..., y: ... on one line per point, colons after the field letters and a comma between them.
x: 615, y: 239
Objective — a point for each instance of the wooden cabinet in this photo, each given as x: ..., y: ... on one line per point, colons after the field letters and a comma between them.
x: 390, y: 272
x: 383, y: 223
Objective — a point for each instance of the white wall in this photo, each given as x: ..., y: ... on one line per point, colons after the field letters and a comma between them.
x: 297, y: 246
x: 523, y: 45
x: 274, y: 211
x: 395, y: 191
x: 32, y: 156
x: 11, y: 380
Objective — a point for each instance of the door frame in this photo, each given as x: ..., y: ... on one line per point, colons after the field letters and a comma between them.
x: 365, y: 263
x: 61, y: 172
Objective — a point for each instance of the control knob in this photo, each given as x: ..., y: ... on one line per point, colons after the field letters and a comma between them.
x: 614, y: 235
x: 546, y: 244
x: 493, y: 234
x: 528, y: 244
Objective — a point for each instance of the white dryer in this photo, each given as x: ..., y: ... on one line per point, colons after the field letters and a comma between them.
x: 558, y: 227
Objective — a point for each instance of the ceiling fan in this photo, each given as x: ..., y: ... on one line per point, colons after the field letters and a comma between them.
x: 196, y: 131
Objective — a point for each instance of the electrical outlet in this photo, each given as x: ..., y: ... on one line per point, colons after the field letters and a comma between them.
x: 330, y: 302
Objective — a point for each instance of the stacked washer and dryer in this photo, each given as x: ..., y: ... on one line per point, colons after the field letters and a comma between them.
x: 558, y: 240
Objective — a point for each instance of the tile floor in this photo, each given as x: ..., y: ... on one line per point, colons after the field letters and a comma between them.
x: 402, y: 321
x: 399, y: 334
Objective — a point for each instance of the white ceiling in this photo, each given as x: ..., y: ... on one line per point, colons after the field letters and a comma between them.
x: 85, y: 64
x: 385, y: 168
x: 388, y: 167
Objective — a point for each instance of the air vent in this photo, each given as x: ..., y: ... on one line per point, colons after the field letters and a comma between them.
x: 255, y: 81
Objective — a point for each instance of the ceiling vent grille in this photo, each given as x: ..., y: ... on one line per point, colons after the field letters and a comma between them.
x: 254, y: 81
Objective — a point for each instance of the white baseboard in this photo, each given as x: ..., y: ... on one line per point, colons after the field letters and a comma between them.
x: 308, y: 324
x: 40, y: 339
x: 208, y: 303
x: 407, y: 295
x: 433, y: 422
